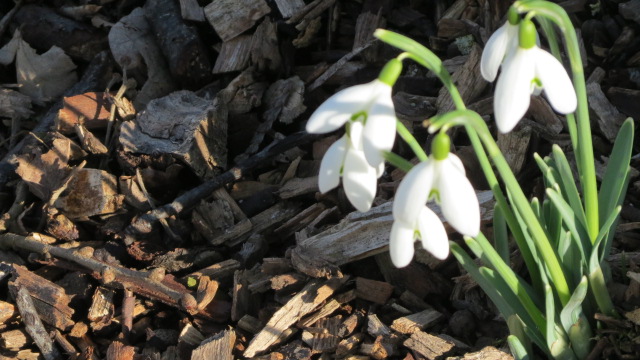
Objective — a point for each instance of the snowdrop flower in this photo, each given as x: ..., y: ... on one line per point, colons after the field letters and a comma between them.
x: 442, y: 176
x: 504, y: 41
x: 525, y: 70
x: 368, y: 103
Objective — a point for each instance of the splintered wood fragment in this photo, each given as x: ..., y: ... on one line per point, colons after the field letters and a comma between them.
x: 542, y: 113
x: 219, y: 270
x: 413, y: 301
x: 515, y: 145
x: 231, y: 18
x: 219, y: 346
x: 220, y: 219
x: 207, y: 290
x: 349, y: 345
x: 372, y: 290
x: 250, y: 324
x: 234, y: 55
x: 190, y: 335
x: 120, y: 351
x: 270, y: 218
x: 184, y: 125
x: 431, y: 347
x: 298, y: 186
x: 375, y: 327
x: 265, y: 52
x: 307, y: 300
x: 378, y: 350
x: 325, y: 311
x: 327, y: 339
x: 90, y: 142
x: 90, y: 192
x: 416, y: 322
x: 309, y: 12
x: 289, y: 7
x: 92, y: 109
x: 7, y: 311
x: 191, y: 10
x: 14, y: 340
x: 486, y: 353
x: 350, y: 324
x: 62, y: 341
x: 609, y: 119
x: 289, y: 281
x: 34, y: 325
x: 298, y: 222
x: 241, y: 294
x: 470, y: 85
x: 50, y: 299
x: 101, y: 304
x: 275, y: 266
x: 366, y: 24
x: 357, y: 236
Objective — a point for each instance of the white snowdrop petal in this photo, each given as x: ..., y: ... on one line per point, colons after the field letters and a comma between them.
x: 339, y: 108
x: 513, y: 90
x: 355, y: 134
x: 494, y: 52
x: 380, y: 170
x: 329, y: 175
x: 359, y: 180
x: 456, y: 162
x: 433, y: 234
x: 380, y: 130
x: 458, y: 200
x: 556, y: 83
x: 401, y: 243
x: 413, y: 192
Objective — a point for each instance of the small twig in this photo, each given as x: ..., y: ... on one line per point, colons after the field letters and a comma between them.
x: 111, y: 275
x: 34, y: 325
x: 144, y: 223
x: 128, y: 303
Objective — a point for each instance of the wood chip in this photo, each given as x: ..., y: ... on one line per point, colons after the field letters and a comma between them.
x: 34, y: 325
x: 415, y: 322
x: 371, y: 290
x: 219, y: 347
x: 231, y: 18
x: 431, y: 347
x: 234, y: 55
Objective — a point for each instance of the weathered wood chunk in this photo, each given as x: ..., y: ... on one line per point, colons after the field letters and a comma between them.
x: 90, y: 192
x: 231, y: 18
x: 234, y: 55
x: 431, y: 347
x: 608, y: 117
x: 184, y: 125
x: 218, y: 346
x: 289, y: 7
x: 375, y: 291
x: 415, y: 322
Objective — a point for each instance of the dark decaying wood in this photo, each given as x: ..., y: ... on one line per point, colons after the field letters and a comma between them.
x: 231, y: 18
x: 34, y: 326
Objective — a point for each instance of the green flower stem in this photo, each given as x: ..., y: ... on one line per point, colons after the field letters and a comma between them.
x: 406, y: 135
x: 584, y: 145
x: 520, y: 201
x: 397, y: 161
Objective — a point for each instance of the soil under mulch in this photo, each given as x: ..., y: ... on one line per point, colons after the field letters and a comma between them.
x: 159, y: 195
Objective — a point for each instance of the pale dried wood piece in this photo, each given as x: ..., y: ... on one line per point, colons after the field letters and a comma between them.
x: 275, y: 266
x: 289, y: 7
x: 7, y: 311
x: 219, y: 347
x: 50, y: 299
x: 452, y: 28
x: 467, y: 80
x: 608, y: 117
x: 366, y: 24
x: 350, y: 324
x: 486, y: 353
x: 416, y: 322
x: 301, y: 220
x: 284, y: 281
x: 455, y: 10
x: 357, y: 236
x: 14, y: 340
x: 431, y: 347
x: 597, y: 75
x: 375, y: 327
x: 325, y: 339
x: 307, y: 300
x: 335, y: 67
x: 14, y: 105
x: 250, y: 324
x: 234, y: 55
x: 207, y: 290
x: 219, y: 270
x: 349, y: 345
x: 298, y: 186
x: 90, y: 142
x: 184, y: 125
x: 120, y: 351
x: 220, y: 219
x: 231, y: 18
x: 191, y: 10
x: 375, y: 291
x: 190, y: 335
x: 325, y: 311
x: 379, y: 350
x: 34, y: 325
x: 101, y: 304
x: 514, y: 146
x: 265, y: 52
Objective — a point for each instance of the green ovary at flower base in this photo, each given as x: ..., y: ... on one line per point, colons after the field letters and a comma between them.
x: 441, y: 175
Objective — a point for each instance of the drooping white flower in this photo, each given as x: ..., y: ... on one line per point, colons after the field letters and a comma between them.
x: 526, y: 71
x: 503, y: 41
x: 444, y: 179
x: 346, y: 159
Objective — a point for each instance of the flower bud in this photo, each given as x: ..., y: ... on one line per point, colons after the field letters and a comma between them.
x: 527, y: 34
x: 390, y: 72
x: 440, y: 146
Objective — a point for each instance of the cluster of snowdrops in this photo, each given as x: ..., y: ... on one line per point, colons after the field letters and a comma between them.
x: 563, y: 238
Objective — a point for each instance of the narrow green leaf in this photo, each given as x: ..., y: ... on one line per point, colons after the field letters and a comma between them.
x: 500, y: 235
x: 568, y: 184
x: 517, y: 349
x: 571, y: 312
x: 616, y: 173
x: 578, y: 232
x: 548, y: 176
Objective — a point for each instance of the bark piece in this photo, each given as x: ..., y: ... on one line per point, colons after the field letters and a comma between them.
x: 307, y: 300
x: 91, y: 109
x: 608, y: 117
x: 219, y: 270
x: 220, y: 219
x: 265, y: 51
x: 357, y: 236
x: 184, y: 125
x: 14, y: 104
x: 231, y: 18
x: 486, y: 353
x: 120, y: 351
x: 625, y: 100
x: 219, y: 346
x: 34, y: 325
x: 289, y: 7
x: 298, y: 186
x: 7, y: 311
x: 250, y: 324
x: 191, y: 10
x: 416, y: 322
x: 102, y: 304
x: 467, y: 80
x: 300, y: 221
x: 207, y: 290
x: 371, y: 290
x: 325, y: 311
x: 375, y: 327
x: 349, y: 345
x: 366, y: 24
x: 14, y: 340
x: 515, y: 145
x: 90, y: 192
x: 325, y: 338
x: 185, y: 53
x: 234, y: 55
x: 431, y: 347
